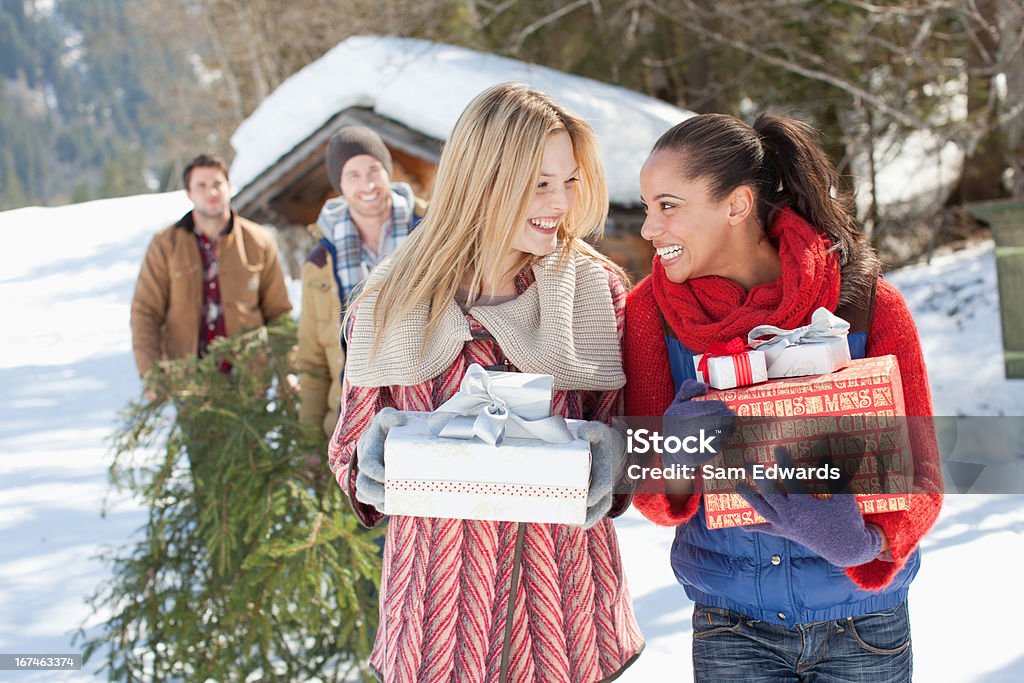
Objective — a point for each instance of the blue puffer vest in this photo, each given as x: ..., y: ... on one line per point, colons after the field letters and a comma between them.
x: 766, y: 577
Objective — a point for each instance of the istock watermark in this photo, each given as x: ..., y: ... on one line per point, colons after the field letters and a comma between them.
x: 865, y: 454
x: 644, y: 441
x: 754, y: 472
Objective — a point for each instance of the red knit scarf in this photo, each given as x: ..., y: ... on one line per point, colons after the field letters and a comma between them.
x: 705, y: 310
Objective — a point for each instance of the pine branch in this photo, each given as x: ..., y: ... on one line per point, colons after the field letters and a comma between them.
x: 242, y: 567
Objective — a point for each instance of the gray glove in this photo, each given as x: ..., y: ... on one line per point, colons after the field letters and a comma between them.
x: 607, y: 451
x: 370, y: 457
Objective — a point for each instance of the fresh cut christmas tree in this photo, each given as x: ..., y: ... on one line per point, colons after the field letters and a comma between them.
x: 250, y: 565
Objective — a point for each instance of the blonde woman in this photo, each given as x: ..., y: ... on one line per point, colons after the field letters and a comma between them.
x: 496, y: 274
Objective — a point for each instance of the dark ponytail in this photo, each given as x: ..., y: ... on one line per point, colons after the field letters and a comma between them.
x: 781, y: 160
x: 806, y: 180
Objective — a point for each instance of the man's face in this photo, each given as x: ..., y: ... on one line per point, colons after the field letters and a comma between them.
x: 366, y: 186
x: 209, y: 191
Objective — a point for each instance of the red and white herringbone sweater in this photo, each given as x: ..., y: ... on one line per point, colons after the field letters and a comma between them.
x: 445, y: 585
x: 715, y: 309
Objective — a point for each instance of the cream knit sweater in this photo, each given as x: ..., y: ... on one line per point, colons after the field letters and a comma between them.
x: 562, y: 325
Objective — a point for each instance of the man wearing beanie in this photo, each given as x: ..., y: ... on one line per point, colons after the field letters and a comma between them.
x: 355, y: 232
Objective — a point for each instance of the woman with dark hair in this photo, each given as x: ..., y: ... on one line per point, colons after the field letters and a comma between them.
x: 750, y: 228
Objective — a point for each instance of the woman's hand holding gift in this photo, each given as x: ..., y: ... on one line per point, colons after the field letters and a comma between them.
x: 686, y: 418
x: 607, y: 455
x: 831, y: 527
x: 370, y: 454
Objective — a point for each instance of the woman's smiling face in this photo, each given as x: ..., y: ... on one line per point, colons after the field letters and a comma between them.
x: 554, y: 195
x: 687, y: 227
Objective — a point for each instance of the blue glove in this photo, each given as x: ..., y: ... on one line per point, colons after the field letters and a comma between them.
x: 370, y: 457
x: 833, y: 529
x: 714, y: 420
x: 607, y: 452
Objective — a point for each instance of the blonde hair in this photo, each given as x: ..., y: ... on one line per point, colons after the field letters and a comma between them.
x: 485, y: 181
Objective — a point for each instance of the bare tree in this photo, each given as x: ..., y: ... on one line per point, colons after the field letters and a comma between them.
x: 869, y: 73
x: 235, y: 53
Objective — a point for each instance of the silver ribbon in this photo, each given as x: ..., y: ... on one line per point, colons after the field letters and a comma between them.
x: 477, y: 411
x: 824, y: 328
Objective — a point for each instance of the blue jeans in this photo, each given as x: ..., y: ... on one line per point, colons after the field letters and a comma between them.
x: 731, y: 648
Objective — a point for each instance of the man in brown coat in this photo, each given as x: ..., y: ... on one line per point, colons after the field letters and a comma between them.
x: 211, y: 274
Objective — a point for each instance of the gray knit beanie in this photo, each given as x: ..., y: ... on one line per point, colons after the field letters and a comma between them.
x: 351, y: 141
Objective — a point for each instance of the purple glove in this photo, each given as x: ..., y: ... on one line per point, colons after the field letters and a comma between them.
x: 709, y: 423
x: 833, y: 528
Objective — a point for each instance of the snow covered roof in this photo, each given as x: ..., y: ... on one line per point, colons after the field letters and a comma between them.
x: 425, y: 86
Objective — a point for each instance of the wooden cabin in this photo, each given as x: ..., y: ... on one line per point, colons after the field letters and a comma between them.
x: 290, y: 193
x: 412, y: 92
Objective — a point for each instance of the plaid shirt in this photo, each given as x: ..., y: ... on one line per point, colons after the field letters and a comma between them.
x: 354, y: 260
x: 211, y: 322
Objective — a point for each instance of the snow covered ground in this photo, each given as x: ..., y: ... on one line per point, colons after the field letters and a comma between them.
x: 66, y: 277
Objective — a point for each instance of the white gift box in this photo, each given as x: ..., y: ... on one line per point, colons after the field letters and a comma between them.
x: 820, y: 357
x: 729, y: 372
x: 520, y: 480
x: 492, y: 405
x: 529, y: 394
x: 820, y: 348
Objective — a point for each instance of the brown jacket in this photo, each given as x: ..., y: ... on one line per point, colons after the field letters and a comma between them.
x: 319, y: 355
x: 168, y: 301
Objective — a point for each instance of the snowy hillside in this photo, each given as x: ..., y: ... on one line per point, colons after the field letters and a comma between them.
x: 66, y: 277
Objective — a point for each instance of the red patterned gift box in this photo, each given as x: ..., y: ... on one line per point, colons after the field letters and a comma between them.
x: 855, y: 417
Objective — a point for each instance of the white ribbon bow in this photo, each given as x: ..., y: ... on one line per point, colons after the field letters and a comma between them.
x: 477, y: 411
x: 824, y: 327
